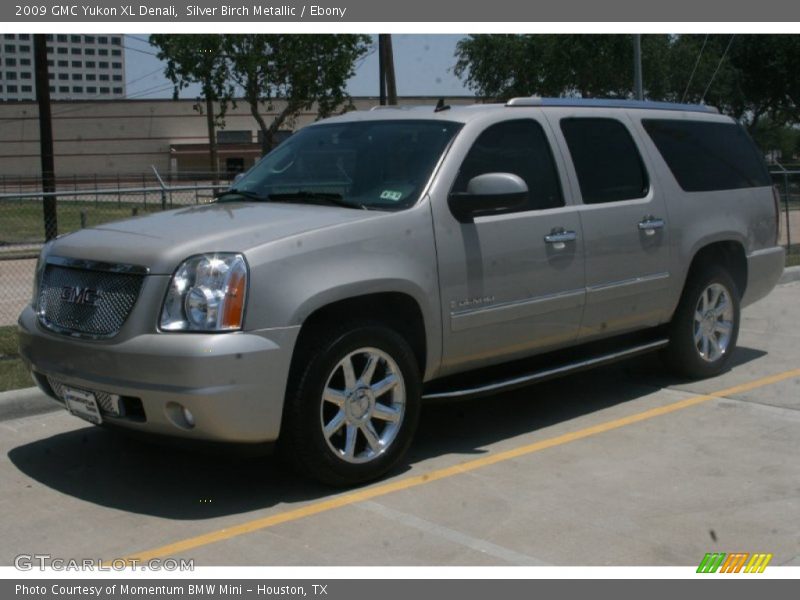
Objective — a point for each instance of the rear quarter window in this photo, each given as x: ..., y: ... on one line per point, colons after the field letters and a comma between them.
x: 705, y: 156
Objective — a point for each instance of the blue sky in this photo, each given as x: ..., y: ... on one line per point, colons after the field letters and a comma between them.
x: 423, y: 66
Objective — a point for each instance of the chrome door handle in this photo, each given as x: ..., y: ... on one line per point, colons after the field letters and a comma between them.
x: 649, y: 225
x: 559, y: 237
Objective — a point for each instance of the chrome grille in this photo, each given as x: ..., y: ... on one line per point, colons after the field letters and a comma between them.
x: 88, y: 302
x: 109, y: 403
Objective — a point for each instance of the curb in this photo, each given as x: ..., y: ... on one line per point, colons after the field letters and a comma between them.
x: 790, y: 274
x: 27, y: 402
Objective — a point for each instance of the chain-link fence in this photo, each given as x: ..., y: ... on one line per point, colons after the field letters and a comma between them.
x: 23, y: 225
x: 787, y: 182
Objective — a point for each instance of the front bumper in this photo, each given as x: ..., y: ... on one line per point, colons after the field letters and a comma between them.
x: 233, y: 383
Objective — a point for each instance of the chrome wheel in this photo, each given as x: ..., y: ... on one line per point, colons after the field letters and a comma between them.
x: 713, y: 322
x: 363, y: 405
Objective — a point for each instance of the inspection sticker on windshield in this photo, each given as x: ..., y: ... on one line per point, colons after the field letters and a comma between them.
x: 391, y: 195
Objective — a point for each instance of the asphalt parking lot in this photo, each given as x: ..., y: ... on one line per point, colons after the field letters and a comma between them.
x: 623, y: 465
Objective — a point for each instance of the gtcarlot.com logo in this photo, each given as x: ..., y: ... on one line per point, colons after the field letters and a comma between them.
x: 29, y: 562
x: 737, y: 562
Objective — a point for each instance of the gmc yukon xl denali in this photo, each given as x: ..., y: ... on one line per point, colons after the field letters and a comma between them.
x: 382, y: 258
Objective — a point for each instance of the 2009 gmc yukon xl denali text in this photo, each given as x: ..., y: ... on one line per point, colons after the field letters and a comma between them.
x: 381, y: 258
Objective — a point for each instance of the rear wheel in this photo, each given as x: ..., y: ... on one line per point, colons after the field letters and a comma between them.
x: 705, y: 326
x: 353, y: 408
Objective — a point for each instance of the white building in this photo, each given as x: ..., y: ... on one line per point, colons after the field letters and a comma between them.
x: 82, y: 67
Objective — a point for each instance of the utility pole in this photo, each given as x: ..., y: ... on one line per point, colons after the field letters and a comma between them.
x: 45, y: 137
x: 391, y: 83
x: 381, y: 69
x: 637, y: 67
x: 212, y: 138
x: 388, y: 83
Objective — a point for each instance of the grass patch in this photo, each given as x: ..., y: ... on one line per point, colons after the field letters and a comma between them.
x: 792, y: 260
x: 21, y: 220
x: 8, y: 342
x: 13, y: 374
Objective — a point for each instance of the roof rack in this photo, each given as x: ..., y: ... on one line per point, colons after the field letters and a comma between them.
x: 610, y: 103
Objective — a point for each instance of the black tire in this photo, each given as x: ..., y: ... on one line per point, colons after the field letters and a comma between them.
x: 303, y: 443
x: 685, y: 355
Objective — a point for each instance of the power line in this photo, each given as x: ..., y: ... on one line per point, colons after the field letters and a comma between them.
x: 140, y: 51
x: 150, y: 90
x: 697, y: 62
x: 153, y: 72
x: 139, y: 39
x: 719, y: 64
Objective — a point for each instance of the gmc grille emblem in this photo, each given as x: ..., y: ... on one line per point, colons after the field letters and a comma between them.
x: 78, y: 295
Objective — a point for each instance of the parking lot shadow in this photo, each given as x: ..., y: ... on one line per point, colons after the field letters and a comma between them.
x: 109, y: 469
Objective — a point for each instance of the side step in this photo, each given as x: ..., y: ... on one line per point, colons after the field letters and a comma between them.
x: 517, y: 381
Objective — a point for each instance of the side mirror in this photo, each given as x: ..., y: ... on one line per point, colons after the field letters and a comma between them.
x: 489, y: 194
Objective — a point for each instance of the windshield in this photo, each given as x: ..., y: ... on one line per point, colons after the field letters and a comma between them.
x: 380, y: 165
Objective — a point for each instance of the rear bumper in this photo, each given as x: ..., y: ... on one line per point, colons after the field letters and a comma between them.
x: 764, y: 269
x: 233, y: 383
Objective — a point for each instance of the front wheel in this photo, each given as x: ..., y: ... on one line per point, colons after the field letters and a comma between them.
x: 705, y: 326
x: 352, y: 411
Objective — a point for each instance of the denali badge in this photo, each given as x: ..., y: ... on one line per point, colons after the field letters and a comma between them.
x: 78, y: 295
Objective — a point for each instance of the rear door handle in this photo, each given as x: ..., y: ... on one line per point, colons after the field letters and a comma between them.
x: 559, y: 237
x: 649, y: 224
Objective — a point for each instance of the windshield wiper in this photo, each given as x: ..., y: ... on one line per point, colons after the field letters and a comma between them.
x: 243, y: 193
x: 326, y: 197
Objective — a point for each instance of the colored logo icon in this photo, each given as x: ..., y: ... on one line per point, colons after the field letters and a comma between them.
x: 737, y: 562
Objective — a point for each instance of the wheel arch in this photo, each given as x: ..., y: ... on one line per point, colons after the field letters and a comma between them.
x: 729, y: 254
x: 398, y: 310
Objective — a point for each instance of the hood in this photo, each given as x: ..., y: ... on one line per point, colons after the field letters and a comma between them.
x: 163, y: 240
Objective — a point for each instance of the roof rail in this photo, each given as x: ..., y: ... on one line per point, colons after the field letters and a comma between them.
x: 610, y: 103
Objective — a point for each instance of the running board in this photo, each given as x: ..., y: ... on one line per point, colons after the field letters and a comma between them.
x: 517, y: 381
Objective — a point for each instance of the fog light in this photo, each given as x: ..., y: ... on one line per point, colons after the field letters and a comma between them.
x: 187, y: 414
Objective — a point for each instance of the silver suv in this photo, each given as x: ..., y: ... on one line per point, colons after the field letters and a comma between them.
x: 382, y: 258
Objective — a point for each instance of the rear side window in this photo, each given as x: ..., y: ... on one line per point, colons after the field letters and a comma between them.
x: 519, y: 147
x: 607, y: 162
x: 706, y: 156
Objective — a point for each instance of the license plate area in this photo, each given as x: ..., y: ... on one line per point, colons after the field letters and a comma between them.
x: 82, y: 404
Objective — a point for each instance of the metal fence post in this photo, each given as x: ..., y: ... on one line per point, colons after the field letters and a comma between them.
x: 163, y: 188
x: 786, y: 210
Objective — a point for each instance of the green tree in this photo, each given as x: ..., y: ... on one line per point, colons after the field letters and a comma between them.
x: 754, y: 75
x: 199, y: 59
x: 504, y: 66
x: 291, y: 73
x: 749, y: 77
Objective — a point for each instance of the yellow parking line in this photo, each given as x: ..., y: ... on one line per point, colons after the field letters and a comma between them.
x: 410, y: 482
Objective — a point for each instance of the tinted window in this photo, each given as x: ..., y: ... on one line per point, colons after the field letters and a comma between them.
x: 707, y: 156
x: 519, y: 147
x: 606, y: 160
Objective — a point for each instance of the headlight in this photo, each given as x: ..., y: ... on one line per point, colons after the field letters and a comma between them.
x: 206, y: 293
x: 37, y: 275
